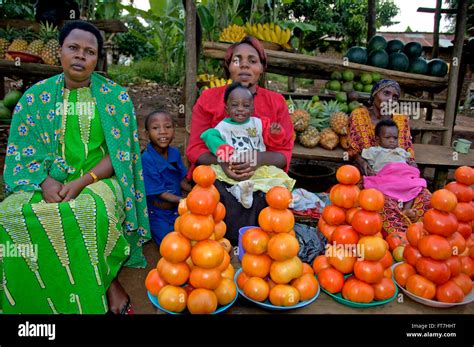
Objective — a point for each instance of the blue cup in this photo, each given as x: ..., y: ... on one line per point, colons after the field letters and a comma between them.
x: 241, y: 233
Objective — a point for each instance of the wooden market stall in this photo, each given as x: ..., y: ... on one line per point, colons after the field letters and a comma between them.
x: 300, y: 65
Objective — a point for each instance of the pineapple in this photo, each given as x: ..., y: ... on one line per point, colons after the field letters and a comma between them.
x: 50, y: 52
x: 300, y: 119
x: 20, y: 43
x: 36, y: 46
x: 339, y: 122
x: 5, y: 37
x: 310, y: 137
x: 344, y: 141
x: 329, y: 139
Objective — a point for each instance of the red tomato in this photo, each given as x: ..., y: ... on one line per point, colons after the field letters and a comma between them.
x: 307, y: 286
x: 434, y: 270
x: 334, y: 215
x: 345, y: 235
x: 368, y: 271
x: 367, y: 222
x: 372, y: 248
x: 467, y: 266
x: 449, y: 292
x: 371, y: 200
x: 350, y: 214
x: 384, y: 289
x: 331, y: 280
x: 415, y: 232
x: 464, y: 282
x: 440, y: 223
x: 464, y: 212
x: 411, y: 255
x: 463, y: 192
x: 358, y: 291
x: 396, y: 239
x: 344, y: 195
x: 255, y: 241
x: 402, y: 272
x: 320, y: 262
x: 326, y: 229
x: 444, y: 200
x: 454, y: 264
x: 457, y: 243
x: 421, y: 286
x: 387, y: 260
x: 465, y: 229
x: 464, y: 175
x: 435, y: 246
x: 348, y: 174
x: 341, y: 261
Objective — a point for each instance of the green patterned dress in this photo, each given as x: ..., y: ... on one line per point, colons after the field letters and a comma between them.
x: 62, y: 257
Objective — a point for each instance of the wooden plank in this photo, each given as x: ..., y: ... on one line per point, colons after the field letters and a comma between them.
x: 191, y: 63
x: 421, y: 125
x: 451, y: 106
x: 107, y: 25
x: 28, y: 70
x: 444, y: 10
x: 363, y: 97
x: 425, y: 154
x: 293, y: 64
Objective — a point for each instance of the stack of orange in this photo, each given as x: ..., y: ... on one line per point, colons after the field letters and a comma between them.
x: 352, y: 225
x: 271, y: 268
x: 191, y: 255
x: 439, y: 259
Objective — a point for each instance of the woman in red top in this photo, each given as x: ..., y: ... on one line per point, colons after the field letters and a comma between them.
x: 245, y: 61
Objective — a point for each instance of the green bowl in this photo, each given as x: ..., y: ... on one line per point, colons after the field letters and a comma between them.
x: 338, y: 297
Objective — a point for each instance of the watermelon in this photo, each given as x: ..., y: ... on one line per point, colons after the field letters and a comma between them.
x: 4, y: 112
x: 376, y: 42
x: 437, y: 68
x: 378, y: 58
x: 398, y: 61
x: 357, y: 55
x: 413, y: 50
x: 418, y: 65
x: 394, y: 46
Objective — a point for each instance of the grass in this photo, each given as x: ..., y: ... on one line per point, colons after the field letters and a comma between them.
x: 143, y: 70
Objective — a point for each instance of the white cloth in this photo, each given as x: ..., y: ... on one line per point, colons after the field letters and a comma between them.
x: 378, y: 156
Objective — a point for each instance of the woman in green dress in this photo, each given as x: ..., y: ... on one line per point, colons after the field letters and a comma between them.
x: 77, y: 208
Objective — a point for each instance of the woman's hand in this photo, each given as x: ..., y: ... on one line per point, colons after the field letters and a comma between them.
x: 51, y: 189
x: 72, y: 189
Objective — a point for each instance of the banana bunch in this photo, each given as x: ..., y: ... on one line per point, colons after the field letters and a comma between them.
x: 205, y: 77
x: 270, y: 32
x: 233, y: 33
x: 216, y: 82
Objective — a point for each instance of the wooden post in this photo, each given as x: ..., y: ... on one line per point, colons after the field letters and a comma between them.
x: 371, y: 30
x: 191, y: 62
x: 437, y: 19
x: 450, y: 113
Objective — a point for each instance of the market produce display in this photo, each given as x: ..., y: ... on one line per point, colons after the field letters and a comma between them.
x: 212, y: 81
x: 394, y: 55
x: 194, y: 271
x: 271, y: 269
x: 29, y: 46
x: 357, y: 261
x: 438, y: 261
x: 8, y: 104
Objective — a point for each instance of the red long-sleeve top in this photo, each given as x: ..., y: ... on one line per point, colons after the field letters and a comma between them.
x: 209, y: 111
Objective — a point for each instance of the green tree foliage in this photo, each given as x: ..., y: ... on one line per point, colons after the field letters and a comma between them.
x: 17, y: 9
x: 345, y: 19
x: 131, y: 44
x: 451, y: 27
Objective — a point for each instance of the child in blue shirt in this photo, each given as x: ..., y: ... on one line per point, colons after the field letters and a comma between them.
x: 164, y: 174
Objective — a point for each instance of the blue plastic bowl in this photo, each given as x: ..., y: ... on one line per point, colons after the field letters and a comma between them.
x: 154, y: 301
x: 267, y: 304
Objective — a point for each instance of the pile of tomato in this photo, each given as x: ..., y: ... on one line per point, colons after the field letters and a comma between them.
x: 357, y: 262
x: 194, y: 270
x: 439, y: 261
x: 271, y: 268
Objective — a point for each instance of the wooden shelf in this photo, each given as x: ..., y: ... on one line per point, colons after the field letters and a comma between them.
x: 109, y: 25
x: 425, y: 155
x: 364, y: 97
x: 301, y: 65
x: 28, y: 70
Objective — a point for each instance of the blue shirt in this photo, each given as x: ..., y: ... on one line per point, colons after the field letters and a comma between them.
x: 162, y: 175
